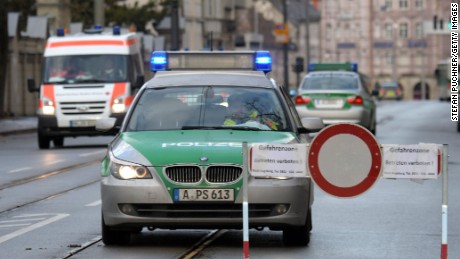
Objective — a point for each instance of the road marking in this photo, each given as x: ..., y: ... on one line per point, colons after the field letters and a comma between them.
x: 32, y: 227
x: 14, y: 225
x: 93, y: 204
x: 19, y: 220
x: 55, y: 162
x: 19, y: 170
x: 91, y: 153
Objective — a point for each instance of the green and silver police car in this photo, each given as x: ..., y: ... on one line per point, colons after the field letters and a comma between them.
x: 337, y: 93
x: 177, y: 163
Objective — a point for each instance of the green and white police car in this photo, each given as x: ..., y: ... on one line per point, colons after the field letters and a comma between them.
x: 337, y: 93
x: 177, y: 164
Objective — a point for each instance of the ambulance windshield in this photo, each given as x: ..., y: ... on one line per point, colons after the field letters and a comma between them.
x: 86, y: 69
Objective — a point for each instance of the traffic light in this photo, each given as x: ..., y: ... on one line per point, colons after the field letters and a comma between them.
x: 298, y: 66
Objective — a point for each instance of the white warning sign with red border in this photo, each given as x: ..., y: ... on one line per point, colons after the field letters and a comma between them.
x: 344, y: 160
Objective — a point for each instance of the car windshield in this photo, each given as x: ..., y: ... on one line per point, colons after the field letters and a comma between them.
x: 330, y: 82
x: 208, y: 107
x: 85, y: 68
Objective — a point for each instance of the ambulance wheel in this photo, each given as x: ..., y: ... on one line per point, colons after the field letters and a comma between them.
x: 58, y: 142
x: 111, y: 237
x: 43, y: 141
x: 298, y: 236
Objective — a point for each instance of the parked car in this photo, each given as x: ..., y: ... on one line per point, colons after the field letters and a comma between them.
x: 390, y: 91
x: 337, y: 93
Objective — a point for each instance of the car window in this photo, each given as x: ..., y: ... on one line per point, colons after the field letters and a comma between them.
x: 194, y: 107
x: 330, y: 82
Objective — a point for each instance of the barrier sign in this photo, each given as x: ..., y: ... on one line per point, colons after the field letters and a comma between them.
x: 344, y: 160
x: 285, y: 160
x: 410, y: 161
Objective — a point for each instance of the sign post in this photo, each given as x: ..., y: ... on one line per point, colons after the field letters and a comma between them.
x: 245, y: 202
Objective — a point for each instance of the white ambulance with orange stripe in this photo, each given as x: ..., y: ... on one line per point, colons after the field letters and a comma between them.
x: 86, y: 77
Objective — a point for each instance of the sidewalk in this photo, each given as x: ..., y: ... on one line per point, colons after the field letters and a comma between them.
x: 15, y: 125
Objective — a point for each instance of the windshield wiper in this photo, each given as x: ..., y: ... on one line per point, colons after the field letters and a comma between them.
x: 91, y: 80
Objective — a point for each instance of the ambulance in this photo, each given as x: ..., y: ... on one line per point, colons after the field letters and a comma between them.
x: 86, y: 76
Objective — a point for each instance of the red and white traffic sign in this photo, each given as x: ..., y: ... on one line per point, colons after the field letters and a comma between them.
x: 344, y: 160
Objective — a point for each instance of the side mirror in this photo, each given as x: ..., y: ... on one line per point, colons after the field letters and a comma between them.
x: 106, y: 125
x: 311, y: 124
x: 31, y: 85
x: 139, y: 81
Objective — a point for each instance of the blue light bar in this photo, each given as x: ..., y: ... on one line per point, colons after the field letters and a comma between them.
x: 60, y: 32
x: 263, y: 61
x: 159, y: 61
x: 116, y: 30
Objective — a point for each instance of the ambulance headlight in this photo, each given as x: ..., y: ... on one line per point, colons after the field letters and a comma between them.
x: 129, y: 171
x: 118, y: 106
x: 48, y: 107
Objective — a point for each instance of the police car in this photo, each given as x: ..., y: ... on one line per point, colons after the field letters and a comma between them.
x: 337, y: 93
x: 177, y: 164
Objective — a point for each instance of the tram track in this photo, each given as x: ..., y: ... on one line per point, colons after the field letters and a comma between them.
x: 41, y: 177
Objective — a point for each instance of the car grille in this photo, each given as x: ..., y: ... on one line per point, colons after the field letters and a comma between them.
x: 81, y: 108
x: 202, y: 210
x: 193, y: 174
x: 223, y: 174
x: 184, y: 174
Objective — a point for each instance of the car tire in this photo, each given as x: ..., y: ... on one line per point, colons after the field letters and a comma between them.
x: 111, y: 237
x: 58, y: 142
x: 298, y: 236
x: 43, y: 141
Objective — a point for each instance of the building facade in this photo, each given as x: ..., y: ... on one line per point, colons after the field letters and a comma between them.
x: 391, y: 40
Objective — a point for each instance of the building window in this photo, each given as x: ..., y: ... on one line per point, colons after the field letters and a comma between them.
x: 386, y: 5
x: 403, y: 30
x: 419, y: 4
x: 419, y: 30
x: 388, y: 30
x: 403, y: 4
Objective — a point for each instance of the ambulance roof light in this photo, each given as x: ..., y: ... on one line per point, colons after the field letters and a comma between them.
x: 60, y: 32
x: 116, y: 30
x: 210, y: 60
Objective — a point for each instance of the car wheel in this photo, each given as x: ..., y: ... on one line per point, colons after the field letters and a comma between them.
x: 58, y: 142
x: 298, y: 236
x: 43, y: 141
x: 112, y: 237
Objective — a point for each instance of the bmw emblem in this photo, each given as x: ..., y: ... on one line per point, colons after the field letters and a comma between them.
x: 203, y: 159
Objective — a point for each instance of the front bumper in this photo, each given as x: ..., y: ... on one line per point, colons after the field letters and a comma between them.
x: 49, y: 126
x: 355, y: 115
x: 154, y: 207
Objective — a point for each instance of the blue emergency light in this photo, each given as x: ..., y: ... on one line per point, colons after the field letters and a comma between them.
x: 116, y: 30
x: 210, y: 60
x: 263, y: 61
x: 159, y: 61
x: 60, y: 32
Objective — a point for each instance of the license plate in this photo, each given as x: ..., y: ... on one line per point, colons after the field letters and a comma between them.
x: 390, y: 93
x: 83, y: 123
x: 203, y: 195
x: 328, y: 103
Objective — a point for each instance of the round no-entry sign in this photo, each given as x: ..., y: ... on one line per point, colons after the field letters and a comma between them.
x: 344, y: 160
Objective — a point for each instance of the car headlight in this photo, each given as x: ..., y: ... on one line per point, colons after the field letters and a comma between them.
x: 118, y: 106
x: 48, y: 107
x: 127, y: 171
